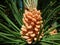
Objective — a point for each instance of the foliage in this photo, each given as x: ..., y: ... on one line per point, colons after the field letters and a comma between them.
x: 10, y: 31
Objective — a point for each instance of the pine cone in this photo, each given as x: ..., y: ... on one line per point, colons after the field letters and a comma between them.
x: 32, y: 21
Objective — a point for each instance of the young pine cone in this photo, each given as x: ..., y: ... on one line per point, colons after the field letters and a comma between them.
x: 32, y: 21
x: 53, y: 32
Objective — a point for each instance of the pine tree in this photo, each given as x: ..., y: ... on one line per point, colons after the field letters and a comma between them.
x: 29, y: 26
